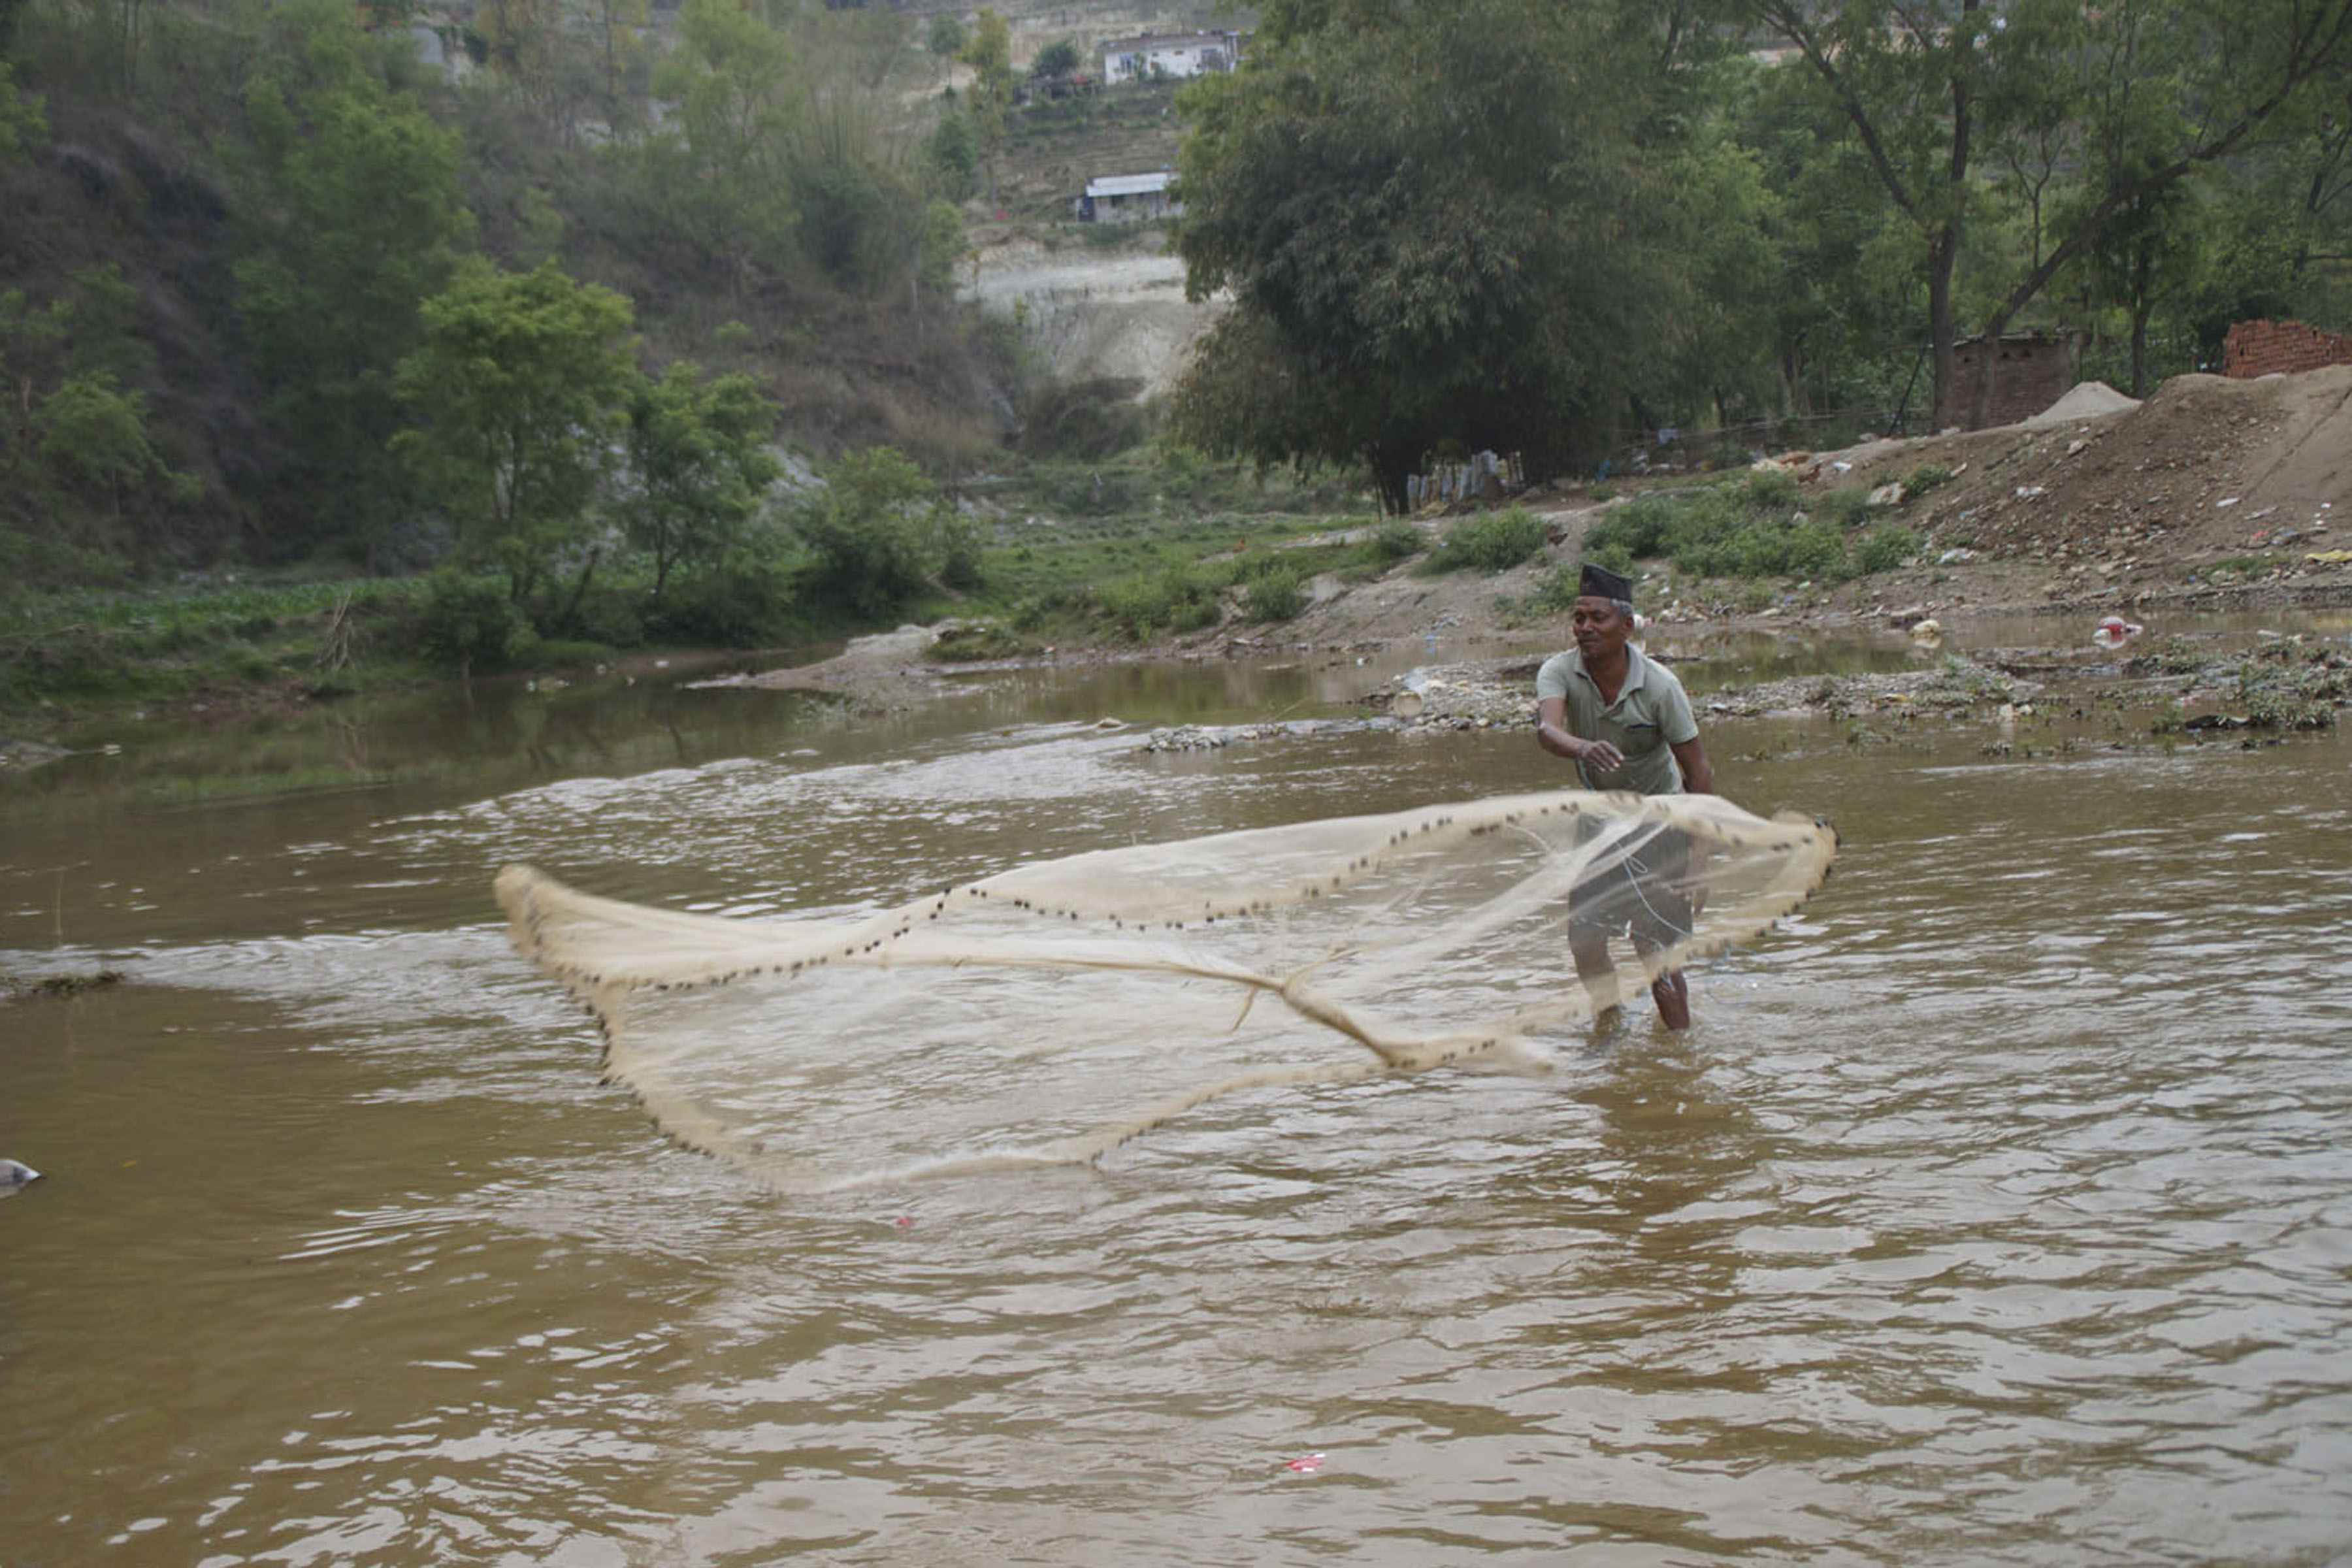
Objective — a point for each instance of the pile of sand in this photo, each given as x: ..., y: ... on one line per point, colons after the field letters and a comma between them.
x: 2088, y: 400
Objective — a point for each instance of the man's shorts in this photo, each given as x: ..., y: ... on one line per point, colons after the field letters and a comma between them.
x: 1643, y: 892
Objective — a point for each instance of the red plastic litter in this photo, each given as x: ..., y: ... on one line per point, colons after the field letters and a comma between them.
x: 1304, y: 1465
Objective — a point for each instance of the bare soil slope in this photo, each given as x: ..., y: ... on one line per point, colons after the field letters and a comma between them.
x: 2139, y: 503
x: 1093, y: 312
x: 2212, y: 492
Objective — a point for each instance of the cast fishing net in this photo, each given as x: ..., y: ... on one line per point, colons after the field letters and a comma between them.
x: 1051, y: 1012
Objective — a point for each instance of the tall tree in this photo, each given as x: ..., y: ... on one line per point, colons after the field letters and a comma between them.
x: 698, y: 465
x: 1435, y: 224
x: 619, y: 48
x: 2124, y: 98
x: 718, y: 172
x: 2142, y: 258
x: 81, y: 481
x: 350, y: 215
x: 1843, y: 300
x: 2170, y: 87
x: 517, y: 391
x: 988, y: 51
x: 21, y: 120
x: 1907, y: 78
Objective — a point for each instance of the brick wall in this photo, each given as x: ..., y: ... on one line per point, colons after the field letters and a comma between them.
x: 2031, y: 371
x: 2262, y: 347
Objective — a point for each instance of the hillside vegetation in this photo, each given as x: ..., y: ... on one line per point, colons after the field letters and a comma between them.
x: 635, y: 326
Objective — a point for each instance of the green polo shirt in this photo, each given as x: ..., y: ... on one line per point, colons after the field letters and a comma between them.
x: 1651, y: 715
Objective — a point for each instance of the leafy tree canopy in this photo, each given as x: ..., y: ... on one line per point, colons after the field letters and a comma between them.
x: 517, y: 389
x: 1059, y: 57
x: 873, y: 531
x: 349, y: 216
x: 698, y: 465
x: 1961, y: 105
x: 1434, y: 228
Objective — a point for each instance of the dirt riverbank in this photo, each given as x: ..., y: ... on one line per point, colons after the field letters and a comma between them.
x: 2213, y: 495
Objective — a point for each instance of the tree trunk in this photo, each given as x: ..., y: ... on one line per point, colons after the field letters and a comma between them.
x: 1940, y: 329
x: 2143, y: 305
x: 580, y: 589
x: 1391, y: 464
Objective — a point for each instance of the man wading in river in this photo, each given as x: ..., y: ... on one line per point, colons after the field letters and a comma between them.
x: 1626, y: 724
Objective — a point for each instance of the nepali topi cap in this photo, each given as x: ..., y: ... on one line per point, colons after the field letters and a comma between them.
x: 1600, y: 582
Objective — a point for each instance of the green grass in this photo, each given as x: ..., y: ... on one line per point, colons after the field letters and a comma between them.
x: 2291, y: 686
x: 1491, y: 542
x: 1165, y: 482
x: 113, y: 647
x: 254, y: 606
x: 1925, y: 477
x: 1753, y: 529
x: 1138, y: 578
x: 2230, y: 567
x: 1129, y: 576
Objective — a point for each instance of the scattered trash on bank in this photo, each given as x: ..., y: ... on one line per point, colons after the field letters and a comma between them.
x: 2113, y: 632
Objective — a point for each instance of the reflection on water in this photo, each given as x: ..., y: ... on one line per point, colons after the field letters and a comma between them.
x: 1996, y: 1211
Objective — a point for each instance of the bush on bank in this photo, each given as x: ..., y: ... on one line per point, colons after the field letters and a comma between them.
x: 1753, y: 528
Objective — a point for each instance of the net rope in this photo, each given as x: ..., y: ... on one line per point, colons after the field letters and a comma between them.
x: 1051, y: 1012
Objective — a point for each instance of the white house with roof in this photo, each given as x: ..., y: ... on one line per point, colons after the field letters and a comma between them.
x: 1127, y: 198
x: 1159, y: 56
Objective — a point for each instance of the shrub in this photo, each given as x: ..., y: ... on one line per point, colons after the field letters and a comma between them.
x: 1556, y: 595
x: 742, y: 600
x: 1762, y: 547
x: 1750, y: 529
x: 1885, y: 549
x: 1848, y: 508
x: 1393, y: 540
x: 870, y: 542
x: 1057, y: 58
x: 613, y: 617
x: 1052, y: 607
x: 550, y: 651
x: 1147, y: 605
x: 1254, y: 565
x: 469, y: 624
x: 1494, y: 541
x: 1768, y: 489
x: 960, y: 544
x: 2278, y: 699
x: 1922, y: 478
x: 1272, y: 596
x: 1635, y: 532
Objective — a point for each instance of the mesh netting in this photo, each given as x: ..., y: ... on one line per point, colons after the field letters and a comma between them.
x: 1051, y: 1012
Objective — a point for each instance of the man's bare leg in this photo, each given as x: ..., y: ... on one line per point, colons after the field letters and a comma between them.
x: 1599, y: 975
x: 1673, y: 998
x: 1668, y: 991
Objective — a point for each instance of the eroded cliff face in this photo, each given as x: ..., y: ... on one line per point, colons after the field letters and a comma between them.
x: 1095, y: 314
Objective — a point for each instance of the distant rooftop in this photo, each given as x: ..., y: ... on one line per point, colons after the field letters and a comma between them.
x: 1127, y: 185
x: 1170, y: 41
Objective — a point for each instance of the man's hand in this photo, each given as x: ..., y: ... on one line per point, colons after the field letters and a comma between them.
x: 1600, y: 757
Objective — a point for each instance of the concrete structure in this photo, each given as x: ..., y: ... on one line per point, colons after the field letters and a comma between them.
x: 2267, y: 347
x: 1127, y: 198
x: 1167, y: 56
x: 2030, y: 371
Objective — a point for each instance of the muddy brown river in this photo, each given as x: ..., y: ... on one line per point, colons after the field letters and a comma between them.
x: 1997, y: 1210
